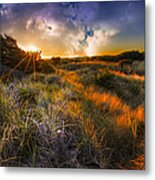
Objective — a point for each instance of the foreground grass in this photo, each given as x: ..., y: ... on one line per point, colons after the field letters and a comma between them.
x: 61, y: 125
x: 41, y: 130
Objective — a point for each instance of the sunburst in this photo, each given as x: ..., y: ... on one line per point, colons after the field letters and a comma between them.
x: 32, y: 48
x: 30, y: 57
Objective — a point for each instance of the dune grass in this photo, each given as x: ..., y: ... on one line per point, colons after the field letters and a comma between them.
x: 72, y: 120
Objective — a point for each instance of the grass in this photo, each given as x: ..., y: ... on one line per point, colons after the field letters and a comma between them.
x: 78, y: 117
x: 128, y: 89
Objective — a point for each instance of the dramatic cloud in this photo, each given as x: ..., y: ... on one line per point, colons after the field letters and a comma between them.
x: 85, y: 28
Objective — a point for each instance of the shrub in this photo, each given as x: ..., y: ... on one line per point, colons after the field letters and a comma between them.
x: 106, y: 80
x: 54, y: 79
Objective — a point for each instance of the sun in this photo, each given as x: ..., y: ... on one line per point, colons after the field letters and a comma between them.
x: 32, y: 48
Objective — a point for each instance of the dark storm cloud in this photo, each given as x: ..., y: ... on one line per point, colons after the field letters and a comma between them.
x: 119, y: 14
x: 127, y: 16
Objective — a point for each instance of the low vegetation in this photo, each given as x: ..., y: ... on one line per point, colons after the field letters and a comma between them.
x: 74, y: 113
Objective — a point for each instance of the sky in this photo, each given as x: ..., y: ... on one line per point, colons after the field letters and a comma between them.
x: 76, y: 28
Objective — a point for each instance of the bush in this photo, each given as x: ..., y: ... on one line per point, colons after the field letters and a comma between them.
x: 106, y: 80
x: 54, y: 79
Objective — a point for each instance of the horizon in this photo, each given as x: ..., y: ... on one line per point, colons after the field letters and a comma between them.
x: 74, y: 56
x: 107, y: 54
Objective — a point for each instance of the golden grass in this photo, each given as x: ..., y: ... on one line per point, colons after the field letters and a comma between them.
x: 121, y: 74
x: 73, y: 79
x: 123, y: 115
x: 137, y: 163
x: 74, y: 108
x: 130, y: 76
x: 98, y: 98
x: 138, y: 113
x: 96, y: 62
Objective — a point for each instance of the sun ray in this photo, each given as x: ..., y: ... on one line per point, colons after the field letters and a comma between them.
x: 17, y: 65
x: 28, y: 63
x: 52, y: 66
x: 34, y: 70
